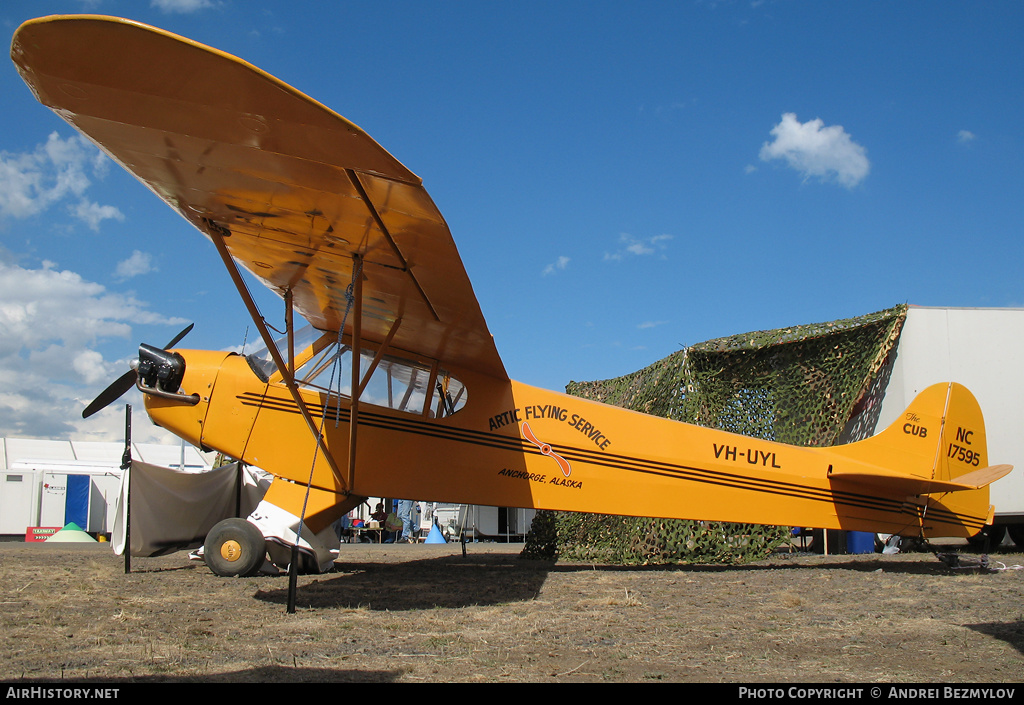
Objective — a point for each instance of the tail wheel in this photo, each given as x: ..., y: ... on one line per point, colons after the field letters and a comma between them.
x: 234, y: 547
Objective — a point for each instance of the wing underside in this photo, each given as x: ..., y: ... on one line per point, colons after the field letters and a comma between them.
x: 300, y: 192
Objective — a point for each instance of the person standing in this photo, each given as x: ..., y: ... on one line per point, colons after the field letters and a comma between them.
x: 407, y: 513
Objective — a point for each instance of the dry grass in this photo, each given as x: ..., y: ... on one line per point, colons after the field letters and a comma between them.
x: 426, y: 613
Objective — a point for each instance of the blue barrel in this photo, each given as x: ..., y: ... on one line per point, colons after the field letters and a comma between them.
x: 860, y: 542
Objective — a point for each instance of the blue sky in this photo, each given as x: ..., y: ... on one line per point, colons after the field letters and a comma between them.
x: 622, y: 179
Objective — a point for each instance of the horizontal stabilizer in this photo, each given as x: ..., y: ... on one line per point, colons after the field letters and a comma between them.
x: 911, y: 485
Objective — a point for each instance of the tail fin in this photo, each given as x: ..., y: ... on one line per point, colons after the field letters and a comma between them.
x: 937, y: 446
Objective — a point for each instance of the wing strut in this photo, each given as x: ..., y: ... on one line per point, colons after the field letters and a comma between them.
x: 359, y: 381
x: 357, y: 354
x: 217, y: 234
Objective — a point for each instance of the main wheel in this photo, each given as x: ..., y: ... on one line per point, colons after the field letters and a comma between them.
x: 234, y: 547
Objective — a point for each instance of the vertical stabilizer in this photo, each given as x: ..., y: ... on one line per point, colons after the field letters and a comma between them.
x: 934, y: 457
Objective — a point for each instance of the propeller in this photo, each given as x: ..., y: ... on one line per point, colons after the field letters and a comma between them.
x: 126, y: 381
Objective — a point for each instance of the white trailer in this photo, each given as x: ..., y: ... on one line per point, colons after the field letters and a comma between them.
x: 19, y: 501
x: 983, y: 349
x: 52, y: 482
x: 53, y: 493
x: 85, y: 494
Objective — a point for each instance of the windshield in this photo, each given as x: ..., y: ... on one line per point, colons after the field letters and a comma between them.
x: 261, y: 361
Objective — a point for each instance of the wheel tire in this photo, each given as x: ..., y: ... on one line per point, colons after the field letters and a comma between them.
x: 1016, y: 532
x: 990, y: 536
x: 235, y: 547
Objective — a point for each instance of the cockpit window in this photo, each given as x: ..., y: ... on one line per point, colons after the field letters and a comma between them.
x: 396, y: 383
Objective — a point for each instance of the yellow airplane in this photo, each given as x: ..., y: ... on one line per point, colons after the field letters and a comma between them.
x: 314, y: 208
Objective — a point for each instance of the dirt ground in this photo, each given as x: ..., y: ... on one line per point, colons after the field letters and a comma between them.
x: 426, y: 613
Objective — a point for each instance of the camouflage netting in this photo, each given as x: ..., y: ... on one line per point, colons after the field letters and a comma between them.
x: 798, y: 385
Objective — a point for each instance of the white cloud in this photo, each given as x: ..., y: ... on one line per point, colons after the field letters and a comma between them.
x: 181, y: 6
x: 32, y: 182
x: 561, y: 263
x: 49, y: 369
x: 92, y: 214
x: 634, y: 246
x: 89, y: 364
x: 139, y: 263
x: 817, y: 151
x: 651, y: 324
x: 965, y: 136
x: 41, y: 305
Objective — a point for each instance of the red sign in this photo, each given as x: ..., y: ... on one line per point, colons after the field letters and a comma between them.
x: 35, y: 534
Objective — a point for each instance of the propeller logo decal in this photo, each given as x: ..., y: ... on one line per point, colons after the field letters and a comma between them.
x: 545, y: 449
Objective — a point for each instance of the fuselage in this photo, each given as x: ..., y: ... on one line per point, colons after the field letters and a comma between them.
x: 511, y: 444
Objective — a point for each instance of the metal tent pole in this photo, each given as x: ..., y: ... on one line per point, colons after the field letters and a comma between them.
x: 126, y: 465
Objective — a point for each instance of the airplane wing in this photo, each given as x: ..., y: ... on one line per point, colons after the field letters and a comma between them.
x: 298, y: 188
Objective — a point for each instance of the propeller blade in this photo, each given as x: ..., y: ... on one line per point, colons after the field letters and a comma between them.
x: 111, y: 394
x: 125, y: 382
x: 177, y: 339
